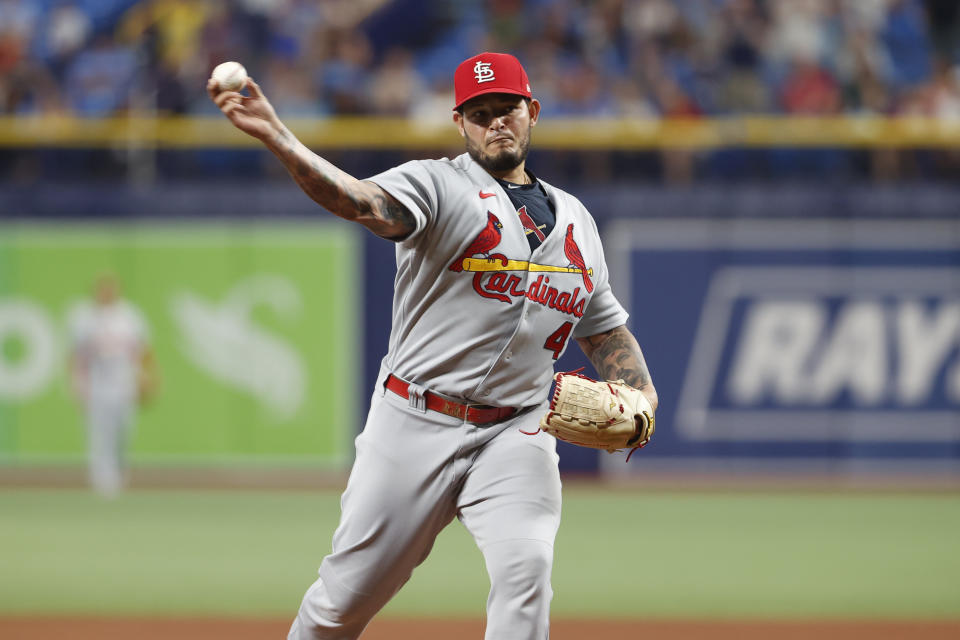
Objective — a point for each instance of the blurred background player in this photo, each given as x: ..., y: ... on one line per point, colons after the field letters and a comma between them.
x: 112, y: 372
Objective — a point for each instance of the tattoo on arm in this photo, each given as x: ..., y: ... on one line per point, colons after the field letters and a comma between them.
x: 391, y: 212
x: 359, y: 201
x: 616, y: 355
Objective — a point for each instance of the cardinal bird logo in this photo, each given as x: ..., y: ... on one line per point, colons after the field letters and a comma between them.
x: 484, y: 243
x: 572, y: 251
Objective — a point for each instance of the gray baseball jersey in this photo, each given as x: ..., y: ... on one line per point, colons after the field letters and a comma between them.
x: 476, y: 315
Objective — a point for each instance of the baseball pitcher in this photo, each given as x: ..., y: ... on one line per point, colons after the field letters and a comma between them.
x: 497, y: 270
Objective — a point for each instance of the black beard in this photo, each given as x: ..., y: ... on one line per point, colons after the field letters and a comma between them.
x: 503, y: 161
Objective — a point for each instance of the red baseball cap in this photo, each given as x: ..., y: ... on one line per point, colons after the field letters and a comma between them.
x: 490, y: 73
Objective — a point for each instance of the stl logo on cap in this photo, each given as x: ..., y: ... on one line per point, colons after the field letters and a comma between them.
x: 476, y: 75
x: 483, y: 72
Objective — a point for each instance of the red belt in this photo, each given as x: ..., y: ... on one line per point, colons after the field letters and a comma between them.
x: 476, y: 414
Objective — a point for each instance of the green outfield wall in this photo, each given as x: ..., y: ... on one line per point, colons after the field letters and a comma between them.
x: 254, y: 328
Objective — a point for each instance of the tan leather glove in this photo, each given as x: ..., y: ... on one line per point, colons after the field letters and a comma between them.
x: 608, y: 415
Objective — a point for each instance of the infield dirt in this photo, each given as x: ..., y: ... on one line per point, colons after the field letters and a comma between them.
x: 26, y: 628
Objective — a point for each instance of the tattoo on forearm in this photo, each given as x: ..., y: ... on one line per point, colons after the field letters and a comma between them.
x: 617, y: 356
x: 341, y: 193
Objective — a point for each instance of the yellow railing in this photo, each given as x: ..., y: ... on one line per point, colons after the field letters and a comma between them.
x: 583, y: 134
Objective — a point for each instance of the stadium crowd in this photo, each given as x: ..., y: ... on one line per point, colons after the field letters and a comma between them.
x: 650, y: 58
x: 608, y: 58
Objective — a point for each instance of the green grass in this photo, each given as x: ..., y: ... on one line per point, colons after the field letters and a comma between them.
x: 618, y: 554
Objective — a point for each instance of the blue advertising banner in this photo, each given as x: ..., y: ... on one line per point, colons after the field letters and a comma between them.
x: 797, y: 339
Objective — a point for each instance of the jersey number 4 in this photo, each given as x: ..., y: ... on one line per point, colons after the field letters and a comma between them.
x: 556, y: 341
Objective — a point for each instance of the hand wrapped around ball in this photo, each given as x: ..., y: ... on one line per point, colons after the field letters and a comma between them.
x: 599, y: 414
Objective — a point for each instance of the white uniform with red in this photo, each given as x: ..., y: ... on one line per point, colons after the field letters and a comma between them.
x: 109, y: 342
x: 478, y: 318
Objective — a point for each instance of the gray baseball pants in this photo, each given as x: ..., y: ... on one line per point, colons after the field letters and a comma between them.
x: 414, y: 472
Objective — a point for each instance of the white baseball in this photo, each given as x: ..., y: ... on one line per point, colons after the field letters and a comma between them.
x: 231, y: 76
